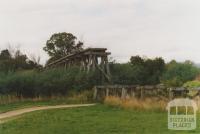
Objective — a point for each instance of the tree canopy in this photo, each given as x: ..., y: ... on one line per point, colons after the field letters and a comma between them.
x: 62, y: 44
x: 176, y: 74
x: 15, y: 61
x: 139, y: 71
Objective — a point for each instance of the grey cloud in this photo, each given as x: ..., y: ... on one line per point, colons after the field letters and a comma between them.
x: 168, y: 28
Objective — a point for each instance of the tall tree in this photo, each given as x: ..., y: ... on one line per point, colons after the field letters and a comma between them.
x: 62, y: 44
x: 5, y: 60
x: 136, y: 60
x: 18, y: 61
x: 176, y: 74
x: 5, y: 55
x: 154, y: 69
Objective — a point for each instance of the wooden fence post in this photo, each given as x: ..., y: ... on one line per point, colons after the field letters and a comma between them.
x: 107, y: 92
x: 133, y: 93
x: 171, y: 95
x: 95, y: 93
x: 123, y: 96
x: 141, y: 93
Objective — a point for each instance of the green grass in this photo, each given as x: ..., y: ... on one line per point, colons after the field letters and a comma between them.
x: 98, y: 119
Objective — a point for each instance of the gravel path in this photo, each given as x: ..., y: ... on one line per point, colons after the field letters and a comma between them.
x: 27, y: 110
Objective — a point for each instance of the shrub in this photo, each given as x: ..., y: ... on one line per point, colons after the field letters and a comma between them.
x: 139, y: 71
x: 192, y: 84
x: 47, y: 83
x: 177, y: 74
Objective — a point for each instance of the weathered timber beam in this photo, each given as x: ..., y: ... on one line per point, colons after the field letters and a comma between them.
x: 117, y: 86
x: 98, y: 53
x: 80, y: 53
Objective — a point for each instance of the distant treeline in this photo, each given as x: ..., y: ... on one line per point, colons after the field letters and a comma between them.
x: 24, y: 76
x: 145, y: 71
x: 15, y: 60
x: 61, y: 81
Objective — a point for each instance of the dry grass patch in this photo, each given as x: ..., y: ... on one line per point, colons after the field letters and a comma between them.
x: 137, y: 104
x: 73, y: 97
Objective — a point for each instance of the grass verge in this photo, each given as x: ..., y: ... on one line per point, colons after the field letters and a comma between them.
x: 98, y: 119
x: 9, y: 103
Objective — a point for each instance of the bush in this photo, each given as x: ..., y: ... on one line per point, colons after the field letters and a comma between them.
x: 177, y: 74
x: 124, y: 74
x: 47, y: 83
x: 139, y: 71
x: 192, y: 84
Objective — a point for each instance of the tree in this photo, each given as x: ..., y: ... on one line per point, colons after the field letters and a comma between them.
x: 177, y: 74
x: 62, y: 44
x: 5, y: 55
x: 154, y: 70
x: 5, y: 60
x: 139, y: 71
x: 136, y: 60
x: 17, y: 61
x: 148, y: 71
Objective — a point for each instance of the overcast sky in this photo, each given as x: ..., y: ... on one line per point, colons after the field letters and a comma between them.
x: 167, y: 28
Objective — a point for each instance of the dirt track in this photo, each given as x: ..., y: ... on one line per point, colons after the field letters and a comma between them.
x: 15, y: 113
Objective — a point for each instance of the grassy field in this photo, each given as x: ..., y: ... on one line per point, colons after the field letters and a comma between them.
x: 98, y: 119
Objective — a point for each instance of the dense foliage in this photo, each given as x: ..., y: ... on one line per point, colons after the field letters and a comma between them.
x: 24, y: 77
x: 138, y: 71
x: 16, y: 61
x: 177, y: 74
x: 28, y: 82
x: 192, y: 84
x: 61, y: 44
x: 47, y: 83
